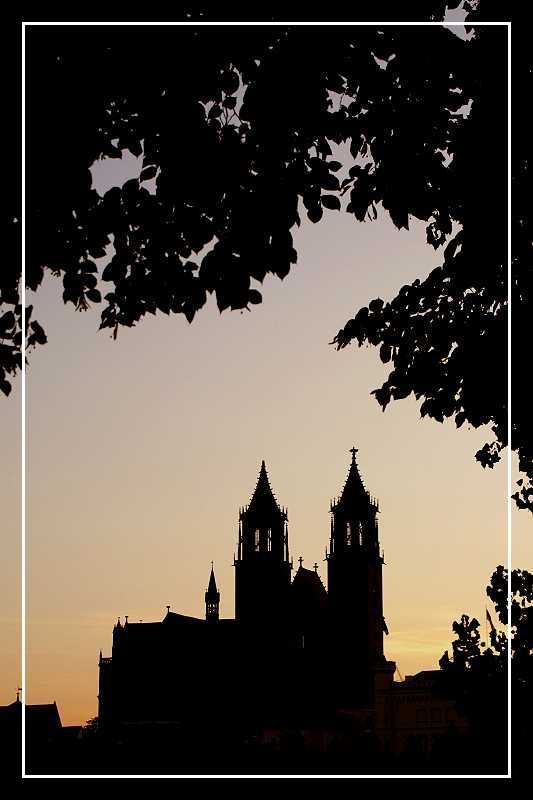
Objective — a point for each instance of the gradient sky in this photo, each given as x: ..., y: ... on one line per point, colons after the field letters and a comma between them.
x: 141, y: 450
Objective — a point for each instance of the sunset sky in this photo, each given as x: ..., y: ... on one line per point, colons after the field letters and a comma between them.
x: 141, y: 450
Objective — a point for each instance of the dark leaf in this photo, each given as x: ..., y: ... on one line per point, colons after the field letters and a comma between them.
x: 148, y: 173
x: 229, y: 82
x: 94, y: 296
x: 331, y: 201
x: 315, y: 214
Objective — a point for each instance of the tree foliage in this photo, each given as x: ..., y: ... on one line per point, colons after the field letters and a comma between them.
x: 240, y: 131
x: 467, y: 647
x: 478, y: 670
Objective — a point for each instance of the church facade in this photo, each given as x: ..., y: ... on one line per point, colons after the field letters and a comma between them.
x: 295, y: 655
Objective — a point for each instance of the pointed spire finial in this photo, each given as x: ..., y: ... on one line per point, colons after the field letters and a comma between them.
x: 212, y: 598
x: 263, y: 499
x: 354, y: 488
x: 212, y: 588
x: 301, y: 560
x: 315, y: 567
x: 168, y: 609
x: 19, y: 689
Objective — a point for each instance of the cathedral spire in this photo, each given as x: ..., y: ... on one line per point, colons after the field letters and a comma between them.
x: 263, y: 499
x: 263, y: 523
x: 354, y: 566
x: 262, y: 577
x: 212, y: 587
x: 212, y: 598
x: 354, y: 489
x: 354, y: 521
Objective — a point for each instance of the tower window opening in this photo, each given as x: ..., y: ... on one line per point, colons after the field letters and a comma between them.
x: 269, y: 540
x: 257, y: 539
x: 360, y: 534
x: 348, y: 534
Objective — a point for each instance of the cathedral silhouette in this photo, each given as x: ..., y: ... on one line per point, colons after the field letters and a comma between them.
x: 294, y: 655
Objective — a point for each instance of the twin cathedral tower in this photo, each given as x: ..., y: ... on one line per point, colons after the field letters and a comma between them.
x: 285, y: 634
x: 354, y: 562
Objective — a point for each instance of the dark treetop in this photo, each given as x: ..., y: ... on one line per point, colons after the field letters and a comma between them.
x: 236, y: 130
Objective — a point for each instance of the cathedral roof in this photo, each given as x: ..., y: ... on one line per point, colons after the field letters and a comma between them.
x: 180, y: 619
x: 308, y: 579
x: 263, y: 499
x: 308, y: 592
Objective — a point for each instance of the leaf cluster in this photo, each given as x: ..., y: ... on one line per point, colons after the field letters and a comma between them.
x: 237, y: 132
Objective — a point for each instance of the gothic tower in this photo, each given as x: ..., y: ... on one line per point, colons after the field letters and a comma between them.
x: 262, y: 567
x: 354, y: 578
x: 212, y: 599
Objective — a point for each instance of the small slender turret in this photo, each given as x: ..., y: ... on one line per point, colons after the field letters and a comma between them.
x: 212, y: 599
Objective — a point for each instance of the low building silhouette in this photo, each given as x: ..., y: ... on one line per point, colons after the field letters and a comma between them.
x: 43, y: 733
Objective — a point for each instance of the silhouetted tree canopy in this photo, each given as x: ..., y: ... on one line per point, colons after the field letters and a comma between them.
x: 239, y: 129
x: 467, y: 647
x: 478, y: 669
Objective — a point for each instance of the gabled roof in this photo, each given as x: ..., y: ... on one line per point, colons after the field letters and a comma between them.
x: 263, y: 500
x: 309, y: 579
x: 308, y: 588
x: 45, y: 715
